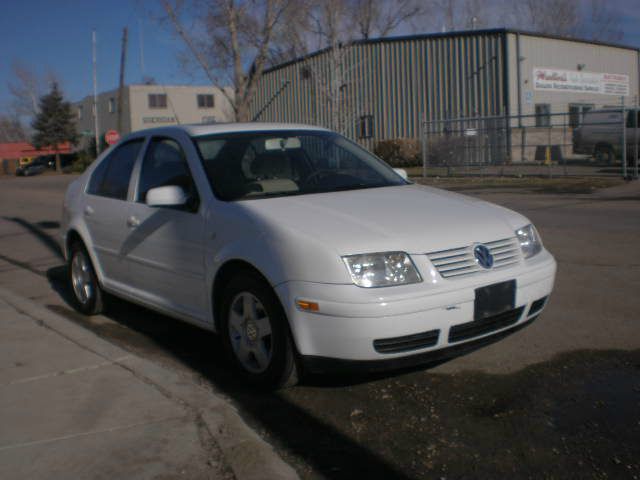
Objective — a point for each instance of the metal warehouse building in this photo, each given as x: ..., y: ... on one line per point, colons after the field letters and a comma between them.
x: 381, y: 89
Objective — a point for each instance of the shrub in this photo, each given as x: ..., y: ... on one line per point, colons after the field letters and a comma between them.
x: 399, y: 153
x: 83, y: 161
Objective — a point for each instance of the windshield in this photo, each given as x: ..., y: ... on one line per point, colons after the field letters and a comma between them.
x: 268, y: 164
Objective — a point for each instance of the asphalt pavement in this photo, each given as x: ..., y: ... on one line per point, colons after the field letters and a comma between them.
x: 558, y: 398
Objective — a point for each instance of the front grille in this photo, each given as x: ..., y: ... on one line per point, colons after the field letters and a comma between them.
x: 407, y: 343
x: 537, y: 306
x: 458, y: 262
x: 476, y: 328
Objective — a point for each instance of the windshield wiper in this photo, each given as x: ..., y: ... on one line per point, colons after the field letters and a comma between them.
x: 342, y: 188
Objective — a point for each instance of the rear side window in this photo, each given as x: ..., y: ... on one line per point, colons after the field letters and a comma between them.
x: 111, y: 178
x: 165, y: 164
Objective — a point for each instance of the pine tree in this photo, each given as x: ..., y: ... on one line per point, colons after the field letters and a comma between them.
x: 54, y: 123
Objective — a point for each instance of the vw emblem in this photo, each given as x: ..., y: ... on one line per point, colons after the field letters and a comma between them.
x: 483, y: 256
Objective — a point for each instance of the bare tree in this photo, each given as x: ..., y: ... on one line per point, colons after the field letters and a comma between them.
x: 11, y: 129
x: 604, y: 23
x: 25, y: 88
x: 591, y: 19
x: 335, y: 25
x: 379, y: 18
x: 230, y: 40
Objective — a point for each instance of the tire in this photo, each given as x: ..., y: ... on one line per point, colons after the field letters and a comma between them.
x: 255, y: 333
x: 604, y: 154
x: 88, y: 296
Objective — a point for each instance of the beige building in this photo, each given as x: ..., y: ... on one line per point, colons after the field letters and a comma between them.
x: 147, y: 106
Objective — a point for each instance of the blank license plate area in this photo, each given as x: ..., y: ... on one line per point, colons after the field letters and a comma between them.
x: 494, y: 299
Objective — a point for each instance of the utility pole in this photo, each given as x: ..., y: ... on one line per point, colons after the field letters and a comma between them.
x: 123, y: 60
x: 141, y: 48
x: 95, y: 94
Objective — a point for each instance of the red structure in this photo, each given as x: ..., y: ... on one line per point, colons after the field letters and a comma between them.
x: 15, y: 150
x: 11, y: 152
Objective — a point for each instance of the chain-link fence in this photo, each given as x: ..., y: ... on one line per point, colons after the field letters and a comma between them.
x: 585, y: 140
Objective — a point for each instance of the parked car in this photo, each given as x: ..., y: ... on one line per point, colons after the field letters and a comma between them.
x: 600, y: 134
x: 66, y: 160
x: 305, y: 252
x: 35, y: 167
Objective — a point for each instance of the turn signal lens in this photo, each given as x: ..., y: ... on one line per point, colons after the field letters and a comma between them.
x: 307, y: 305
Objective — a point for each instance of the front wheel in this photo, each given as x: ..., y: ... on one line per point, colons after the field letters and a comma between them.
x: 255, y: 333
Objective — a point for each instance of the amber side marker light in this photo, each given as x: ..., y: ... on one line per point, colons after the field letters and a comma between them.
x: 307, y: 306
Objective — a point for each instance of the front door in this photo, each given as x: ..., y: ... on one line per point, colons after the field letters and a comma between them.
x: 165, y: 246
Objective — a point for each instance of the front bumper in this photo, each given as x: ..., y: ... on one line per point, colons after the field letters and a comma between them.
x: 353, y: 323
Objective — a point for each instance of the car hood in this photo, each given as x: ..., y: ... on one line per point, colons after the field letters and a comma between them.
x: 410, y: 218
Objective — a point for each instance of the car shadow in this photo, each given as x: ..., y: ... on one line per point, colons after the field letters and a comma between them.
x: 38, y: 231
x: 291, y: 428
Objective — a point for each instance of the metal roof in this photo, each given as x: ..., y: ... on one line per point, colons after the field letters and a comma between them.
x: 461, y: 33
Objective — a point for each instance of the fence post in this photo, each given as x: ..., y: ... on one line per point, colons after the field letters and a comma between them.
x: 624, y: 140
x: 424, y: 145
x: 636, y: 113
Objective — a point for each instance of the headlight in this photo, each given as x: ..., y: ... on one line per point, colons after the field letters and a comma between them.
x: 381, y: 269
x: 529, y: 240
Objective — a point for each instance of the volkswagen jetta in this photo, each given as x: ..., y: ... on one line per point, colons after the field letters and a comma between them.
x: 301, y: 249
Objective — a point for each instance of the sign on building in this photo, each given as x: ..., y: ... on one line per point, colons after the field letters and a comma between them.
x: 556, y: 80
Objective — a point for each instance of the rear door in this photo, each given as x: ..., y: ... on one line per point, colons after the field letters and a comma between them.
x: 105, y: 210
x: 164, y: 248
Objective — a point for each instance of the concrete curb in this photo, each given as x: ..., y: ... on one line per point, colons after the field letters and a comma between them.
x: 248, y: 456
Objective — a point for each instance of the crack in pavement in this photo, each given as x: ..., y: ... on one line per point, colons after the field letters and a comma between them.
x: 70, y: 371
x: 84, y: 434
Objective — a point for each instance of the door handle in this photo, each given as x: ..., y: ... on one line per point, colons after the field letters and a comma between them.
x: 88, y: 211
x: 132, y: 222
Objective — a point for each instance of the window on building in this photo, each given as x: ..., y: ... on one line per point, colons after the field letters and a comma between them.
x: 112, y: 105
x: 577, y: 111
x: 365, y: 126
x: 543, y: 115
x: 80, y: 112
x: 205, y: 100
x: 157, y: 100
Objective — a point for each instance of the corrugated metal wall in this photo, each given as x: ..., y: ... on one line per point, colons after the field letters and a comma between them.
x: 394, y: 80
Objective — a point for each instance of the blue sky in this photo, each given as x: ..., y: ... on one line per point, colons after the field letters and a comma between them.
x: 56, y: 35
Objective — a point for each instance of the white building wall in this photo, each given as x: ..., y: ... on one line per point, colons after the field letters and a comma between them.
x: 182, y: 107
x: 543, y: 52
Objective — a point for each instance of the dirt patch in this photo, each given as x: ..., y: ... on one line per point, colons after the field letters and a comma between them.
x: 577, y: 416
x: 531, y: 184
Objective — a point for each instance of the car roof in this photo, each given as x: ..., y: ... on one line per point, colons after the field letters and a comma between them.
x: 200, y: 129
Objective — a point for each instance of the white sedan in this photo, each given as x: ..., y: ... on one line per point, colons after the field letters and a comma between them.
x: 301, y: 249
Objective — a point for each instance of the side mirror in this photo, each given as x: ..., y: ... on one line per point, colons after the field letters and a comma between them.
x: 402, y: 172
x: 169, y: 196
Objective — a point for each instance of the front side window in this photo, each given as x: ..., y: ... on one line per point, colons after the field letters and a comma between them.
x: 267, y: 164
x: 157, y: 100
x: 165, y: 164
x: 111, y: 177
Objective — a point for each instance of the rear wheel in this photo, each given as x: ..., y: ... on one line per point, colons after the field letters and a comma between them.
x: 604, y: 154
x: 255, y: 333
x: 88, y: 297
